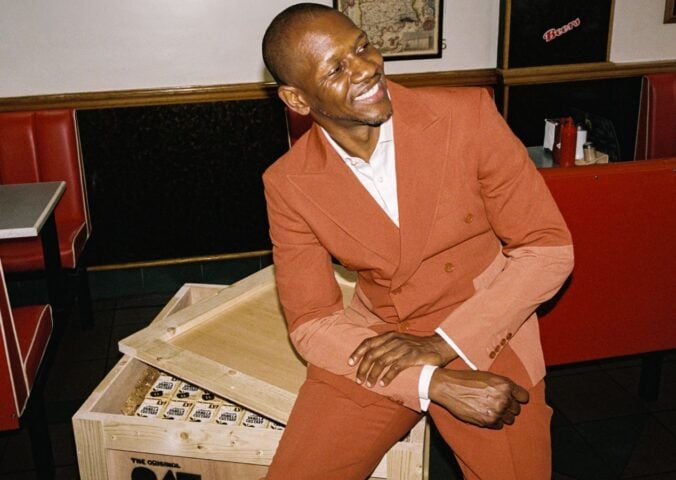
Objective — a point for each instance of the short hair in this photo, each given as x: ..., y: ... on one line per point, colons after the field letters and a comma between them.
x: 276, y: 39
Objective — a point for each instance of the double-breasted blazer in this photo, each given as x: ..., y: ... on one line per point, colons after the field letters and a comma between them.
x: 480, y: 242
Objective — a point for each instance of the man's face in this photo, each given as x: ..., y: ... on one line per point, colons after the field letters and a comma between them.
x: 339, y: 73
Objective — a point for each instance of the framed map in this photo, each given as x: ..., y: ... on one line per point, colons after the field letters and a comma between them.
x: 400, y: 29
x: 670, y: 11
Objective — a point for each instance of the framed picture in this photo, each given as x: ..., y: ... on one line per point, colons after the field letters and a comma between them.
x: 670, y: 11
x: 553, y: 32
x: 400, y: 29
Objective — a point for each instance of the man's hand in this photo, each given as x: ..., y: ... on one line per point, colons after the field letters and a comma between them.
x: 390, y: 353
x: 480, y: 398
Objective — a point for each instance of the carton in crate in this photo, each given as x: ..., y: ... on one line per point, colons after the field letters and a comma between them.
x: 231, y: 345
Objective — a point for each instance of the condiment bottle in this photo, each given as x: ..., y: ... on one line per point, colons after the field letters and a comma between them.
x: 567, y: 143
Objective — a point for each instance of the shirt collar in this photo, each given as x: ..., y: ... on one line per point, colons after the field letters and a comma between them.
x: 385, y: 135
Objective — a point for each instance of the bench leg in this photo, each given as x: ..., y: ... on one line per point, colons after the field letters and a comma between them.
x: 84, y: 296
x: 651, y: 373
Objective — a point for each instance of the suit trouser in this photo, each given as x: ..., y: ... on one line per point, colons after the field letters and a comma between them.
x: 331, y: 437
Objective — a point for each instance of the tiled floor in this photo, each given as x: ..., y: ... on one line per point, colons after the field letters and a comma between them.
x: 601, y: 428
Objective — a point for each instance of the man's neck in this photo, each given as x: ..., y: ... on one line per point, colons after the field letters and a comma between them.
x: 359, y: 141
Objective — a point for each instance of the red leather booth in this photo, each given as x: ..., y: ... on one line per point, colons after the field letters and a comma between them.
x: 656, y: 132
x: 43, y: 146
x: 621, y: 297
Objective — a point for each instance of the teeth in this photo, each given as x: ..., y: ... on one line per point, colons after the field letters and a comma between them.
x: 369, y: 93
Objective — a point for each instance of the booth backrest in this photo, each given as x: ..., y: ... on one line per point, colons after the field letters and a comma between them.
x: 42, y: 147
x: 656, y: 135
x: 621, y: 297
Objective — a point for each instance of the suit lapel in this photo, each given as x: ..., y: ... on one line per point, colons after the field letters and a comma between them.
x: 333, y: 188
x: 421, y: 143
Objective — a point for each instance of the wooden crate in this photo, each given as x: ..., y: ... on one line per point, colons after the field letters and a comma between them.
x: 112, y: 445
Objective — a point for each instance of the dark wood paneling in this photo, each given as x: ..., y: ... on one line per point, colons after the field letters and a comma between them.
x: 179, y: 180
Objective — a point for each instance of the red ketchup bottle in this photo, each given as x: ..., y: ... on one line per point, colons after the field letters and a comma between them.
x: 567, y: 143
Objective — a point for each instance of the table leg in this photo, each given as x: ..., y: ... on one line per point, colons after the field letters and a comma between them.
x: 53, y: 271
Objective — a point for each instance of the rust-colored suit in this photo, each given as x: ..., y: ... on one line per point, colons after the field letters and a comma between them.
x: 480, y: 244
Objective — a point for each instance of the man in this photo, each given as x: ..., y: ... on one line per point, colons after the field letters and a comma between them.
x: 430, y: 198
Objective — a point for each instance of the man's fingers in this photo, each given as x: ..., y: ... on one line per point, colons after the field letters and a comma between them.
x: 393, y: 371
x: 387, y: 357
x: 520, y: 394
x: 514, y: 408
x: 508, y: 418
x: 366, y: 346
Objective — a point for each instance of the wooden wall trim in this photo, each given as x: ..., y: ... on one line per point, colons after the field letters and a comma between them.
x: 582, y: 71
x: 179, y: 261
x: 261, y: 90
x: 145, y: 97
x: 232, y: 92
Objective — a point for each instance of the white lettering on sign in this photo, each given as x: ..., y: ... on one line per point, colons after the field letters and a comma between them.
x: 553, y: 33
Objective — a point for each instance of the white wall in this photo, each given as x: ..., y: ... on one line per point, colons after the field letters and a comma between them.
x: 639, y: 33
x: 62, y: 46
x: 65, y: 46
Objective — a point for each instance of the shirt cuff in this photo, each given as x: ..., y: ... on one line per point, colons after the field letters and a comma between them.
x: 443, y: 335
x: 424, y: 386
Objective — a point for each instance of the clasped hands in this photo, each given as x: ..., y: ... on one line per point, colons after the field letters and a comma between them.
x: 477, y: 397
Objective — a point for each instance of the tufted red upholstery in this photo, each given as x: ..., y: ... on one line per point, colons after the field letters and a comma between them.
x: 24, y: 336
x: 43, y: 146
x: 656, y: 135
x: 620, y: 299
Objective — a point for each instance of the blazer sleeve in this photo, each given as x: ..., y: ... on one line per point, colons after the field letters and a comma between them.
x: 536, y: 243
x: 323, y: 332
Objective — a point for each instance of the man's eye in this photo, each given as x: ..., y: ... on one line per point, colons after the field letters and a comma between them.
x: 335, y: 70
x: 363, y: 47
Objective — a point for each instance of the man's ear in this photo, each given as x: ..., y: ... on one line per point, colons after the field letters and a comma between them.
x: 293, y: 98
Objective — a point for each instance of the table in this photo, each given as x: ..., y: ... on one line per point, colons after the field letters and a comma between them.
x: 27, y: 210
x: 541, y: 158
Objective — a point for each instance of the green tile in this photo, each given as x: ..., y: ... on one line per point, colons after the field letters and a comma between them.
x: 573, y: 457
x: 170, y: 278
x: 265, y: 261
x: 229, y: 271
x: 115, y: 283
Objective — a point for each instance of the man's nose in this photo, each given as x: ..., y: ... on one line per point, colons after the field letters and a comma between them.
x: 361, y: 69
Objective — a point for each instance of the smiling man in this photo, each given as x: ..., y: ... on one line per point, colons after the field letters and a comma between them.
x: 431, y: 199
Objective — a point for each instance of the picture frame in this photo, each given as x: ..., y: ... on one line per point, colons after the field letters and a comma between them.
x: 670, y: 11
x: 396, y: 29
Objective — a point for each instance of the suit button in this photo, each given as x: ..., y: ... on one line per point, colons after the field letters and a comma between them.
x: 449, y: 267
x: 469, y: 218
x: 396, y: 291
x: 503, y: 341
x: 509, y: 336
x: 404, y: 326
x: 492, y: 354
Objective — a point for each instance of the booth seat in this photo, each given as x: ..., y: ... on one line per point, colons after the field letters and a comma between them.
x: 656, y: 132
x: 25, y: 333
x: 43, y: 146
